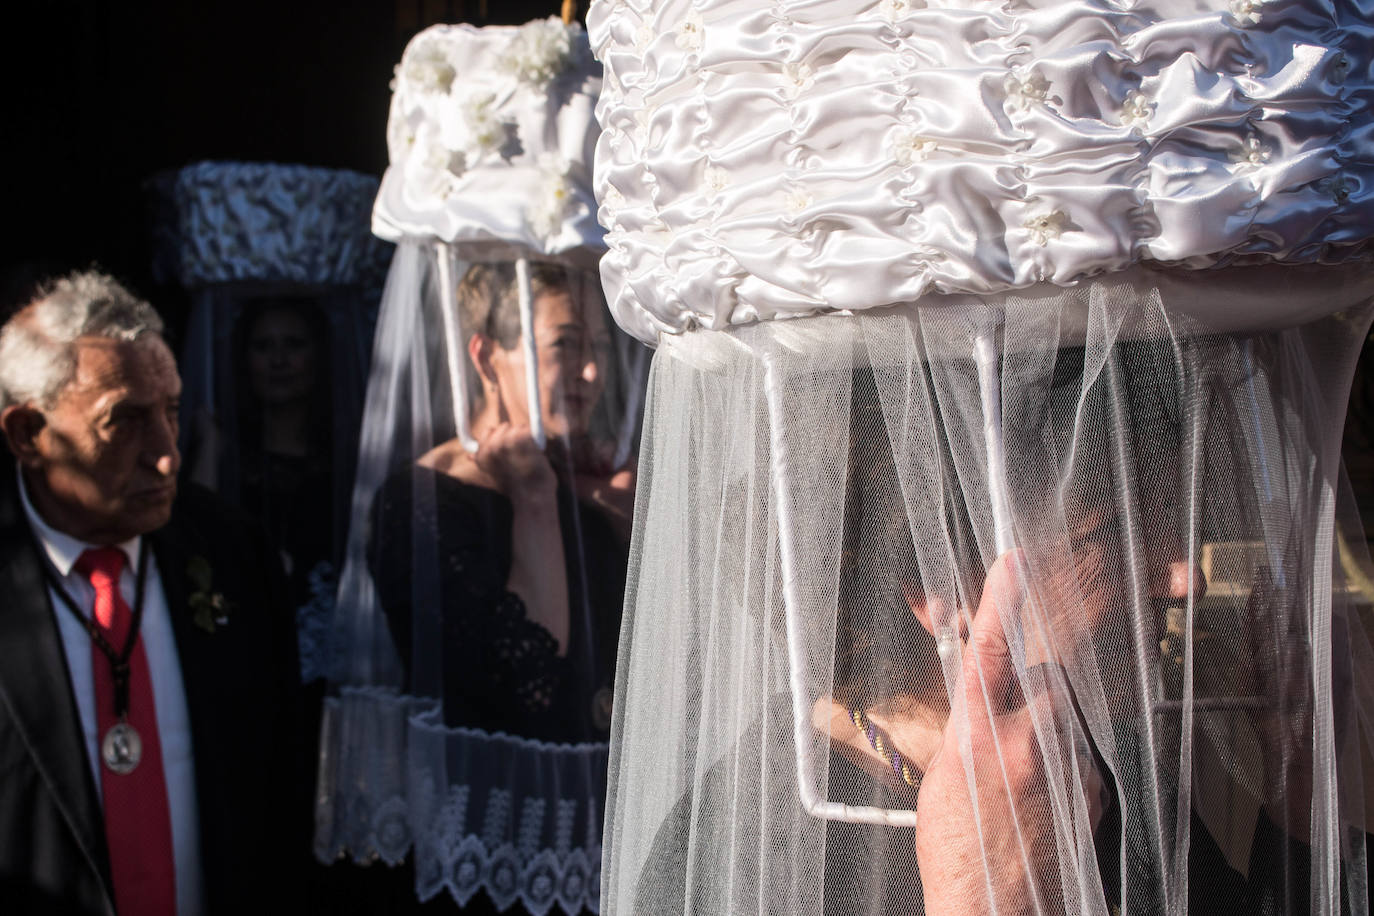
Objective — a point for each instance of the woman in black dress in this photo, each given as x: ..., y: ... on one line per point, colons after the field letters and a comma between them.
x: 500, y: 571
x: 530, y: 543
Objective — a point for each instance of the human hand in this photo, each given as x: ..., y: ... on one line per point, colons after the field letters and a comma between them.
x: 598, y: 482
x: 509, y: 455
x: 991, y: 847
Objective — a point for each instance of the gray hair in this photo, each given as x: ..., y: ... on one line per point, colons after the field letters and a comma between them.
x: 37, y: 354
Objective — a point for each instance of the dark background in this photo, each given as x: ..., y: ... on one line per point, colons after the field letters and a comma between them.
x: 101, y: 95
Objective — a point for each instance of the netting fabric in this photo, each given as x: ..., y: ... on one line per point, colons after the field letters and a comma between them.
x: 480, y: 598
x: 988, y: 552
x: 284, y: 279
x: 839, y: 693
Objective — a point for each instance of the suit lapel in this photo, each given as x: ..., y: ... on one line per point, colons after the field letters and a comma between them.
x: 174, y: 546
x: 35, y: 684
x: 201, y: 669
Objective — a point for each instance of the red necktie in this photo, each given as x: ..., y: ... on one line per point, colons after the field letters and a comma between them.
x: 138, y: 822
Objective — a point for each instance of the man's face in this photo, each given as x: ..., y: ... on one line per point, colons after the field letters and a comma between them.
x: 103, y: 466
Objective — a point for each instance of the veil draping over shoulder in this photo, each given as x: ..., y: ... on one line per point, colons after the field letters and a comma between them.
x: 988, y: 543
x: 479, y: 605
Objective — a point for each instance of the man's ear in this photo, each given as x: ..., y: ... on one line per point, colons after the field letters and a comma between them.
x: 21, y: 424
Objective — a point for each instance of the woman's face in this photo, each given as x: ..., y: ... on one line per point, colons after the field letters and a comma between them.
x: 281, y: 357
x: 573, y: 345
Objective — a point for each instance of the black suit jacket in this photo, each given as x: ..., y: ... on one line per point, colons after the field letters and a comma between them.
x: 242, y: 693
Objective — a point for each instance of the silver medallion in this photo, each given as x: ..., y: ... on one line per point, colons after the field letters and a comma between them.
x: 122, y: 748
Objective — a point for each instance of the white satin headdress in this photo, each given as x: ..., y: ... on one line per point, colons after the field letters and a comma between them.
x: 999, y: 576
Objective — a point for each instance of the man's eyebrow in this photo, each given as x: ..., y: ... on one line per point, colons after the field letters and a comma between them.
x: 126, y: 404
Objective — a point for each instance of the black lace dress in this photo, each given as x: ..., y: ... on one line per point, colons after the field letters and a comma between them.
x: 441, y: 546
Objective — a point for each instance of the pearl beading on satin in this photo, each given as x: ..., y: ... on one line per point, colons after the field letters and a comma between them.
x: 831, y: 156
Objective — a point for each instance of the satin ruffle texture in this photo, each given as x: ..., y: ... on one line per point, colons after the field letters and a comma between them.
x: 826, y: 156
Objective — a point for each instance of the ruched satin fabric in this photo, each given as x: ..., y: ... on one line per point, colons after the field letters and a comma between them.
x: 226, y: 222
x: 763, y: 161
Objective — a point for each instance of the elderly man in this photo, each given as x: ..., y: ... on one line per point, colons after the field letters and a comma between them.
x: 147, y: 706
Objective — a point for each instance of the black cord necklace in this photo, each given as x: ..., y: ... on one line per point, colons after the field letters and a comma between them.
x: 121, y: 747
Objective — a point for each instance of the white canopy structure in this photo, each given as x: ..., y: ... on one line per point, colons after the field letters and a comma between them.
x: 985, y: 556
x: 480, y: 599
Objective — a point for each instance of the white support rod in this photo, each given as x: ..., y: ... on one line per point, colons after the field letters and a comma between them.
x: 801, y: 709
x: 1261, y: 452
x: 531, y: 350
x: 990, y: 391
x: 453, y: 339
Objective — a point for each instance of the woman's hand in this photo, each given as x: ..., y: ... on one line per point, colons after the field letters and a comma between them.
x: 998, y: 843
x: 509, y: 456
x: 596, y: 481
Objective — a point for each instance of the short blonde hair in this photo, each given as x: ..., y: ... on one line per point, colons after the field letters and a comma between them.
x: 489, y: 302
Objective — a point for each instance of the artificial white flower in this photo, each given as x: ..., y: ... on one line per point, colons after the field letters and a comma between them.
x: 1136, y: 108
x: 1340, y: 187
x: 644, y: 36
x: 894, y: 10
x: 613, y: 199
x: 472, y: 126
x: 799, y: 76
x: 1340, y: 68
x: 427, y: 69
x: 1247, y: 12
x: 691, y: 31
x: 796, y: 201
x: 1047, y: 226
x: 485, y: 130
x: 1251, y: 155
x: 642, y: 118
x: 1022, y: 94
x: 715, y: 178
x: 433, y: 167
x: 907, y: 146
x: 550, y: 196
x: 537, y: 52
x: 400, y: 137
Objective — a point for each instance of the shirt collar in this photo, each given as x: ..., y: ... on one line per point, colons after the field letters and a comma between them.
x: 62, y: 549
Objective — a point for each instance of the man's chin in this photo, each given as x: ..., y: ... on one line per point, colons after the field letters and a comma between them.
x: 149, y: 511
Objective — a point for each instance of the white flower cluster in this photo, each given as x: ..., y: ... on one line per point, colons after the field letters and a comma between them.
x: 538, y: 52
x: 550, y: 196
x: 907, y: 146
x: 483, y: 129
x: 427, y: 69
x: 486, y: 136
x: 444, y: 152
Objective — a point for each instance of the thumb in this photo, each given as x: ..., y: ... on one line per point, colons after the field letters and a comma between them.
x: 988, y: 672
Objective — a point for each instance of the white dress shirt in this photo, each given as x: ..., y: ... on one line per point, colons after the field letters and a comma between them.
x: 164, y: 664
